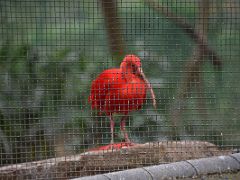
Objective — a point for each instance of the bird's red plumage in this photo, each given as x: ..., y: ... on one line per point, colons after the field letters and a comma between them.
x: 112, y: 93
x: 120, y: 91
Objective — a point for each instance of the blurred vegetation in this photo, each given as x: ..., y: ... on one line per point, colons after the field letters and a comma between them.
x: 50, y: 51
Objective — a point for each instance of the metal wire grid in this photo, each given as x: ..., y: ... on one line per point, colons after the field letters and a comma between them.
x: 52, y: 50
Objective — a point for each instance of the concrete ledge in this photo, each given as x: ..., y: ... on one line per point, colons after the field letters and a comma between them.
x: 190, y: 168
x: 215, y: 165
x: 177, y: 169
x: 236, y: 156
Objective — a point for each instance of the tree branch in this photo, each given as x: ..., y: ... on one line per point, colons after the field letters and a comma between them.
x: 194, y: 64
x: 113, y: 26
x: 196, y: 36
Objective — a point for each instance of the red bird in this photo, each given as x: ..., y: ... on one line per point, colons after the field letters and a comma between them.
x: 120, y: 91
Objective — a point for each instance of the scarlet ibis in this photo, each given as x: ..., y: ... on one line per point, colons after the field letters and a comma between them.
x: 120, y: 90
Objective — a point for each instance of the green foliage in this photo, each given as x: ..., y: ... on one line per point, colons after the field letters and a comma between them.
x: 32, y: 96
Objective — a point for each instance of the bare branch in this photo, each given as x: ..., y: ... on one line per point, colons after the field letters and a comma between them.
x: 113, y: 26
x: 194, y: 64
x: 196, y: 36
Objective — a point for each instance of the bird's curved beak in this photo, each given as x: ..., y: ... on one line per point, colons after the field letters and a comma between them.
x: 142, y: 75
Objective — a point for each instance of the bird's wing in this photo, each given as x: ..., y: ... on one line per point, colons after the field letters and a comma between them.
x: 125, y: 98
x: 108, y: 80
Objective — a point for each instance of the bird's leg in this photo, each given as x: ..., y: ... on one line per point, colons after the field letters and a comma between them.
x: 123, y: 129
x: 112, y: 123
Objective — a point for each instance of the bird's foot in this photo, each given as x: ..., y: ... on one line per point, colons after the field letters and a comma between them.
x: 120, y: 145
x: 114, y: 146
x: 129, y: 143
x: 117, y: 146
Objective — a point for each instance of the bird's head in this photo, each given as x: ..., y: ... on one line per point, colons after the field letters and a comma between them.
x: 131, y: 59
x: 131, y: 67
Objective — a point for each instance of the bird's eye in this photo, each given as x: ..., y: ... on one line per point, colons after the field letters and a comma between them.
x: 134, y: 68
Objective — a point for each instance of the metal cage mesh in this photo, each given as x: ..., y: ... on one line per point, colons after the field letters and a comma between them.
x: 51, y: 52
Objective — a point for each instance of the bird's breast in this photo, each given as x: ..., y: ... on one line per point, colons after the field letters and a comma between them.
x: 134, y: 89
x: 126, y: 97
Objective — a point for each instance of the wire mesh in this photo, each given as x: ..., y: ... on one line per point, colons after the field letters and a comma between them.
x: 51, y: 51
